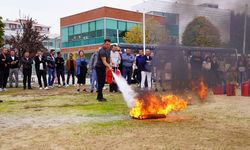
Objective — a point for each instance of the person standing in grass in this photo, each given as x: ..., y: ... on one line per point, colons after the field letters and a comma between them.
x: 27, y: 70
x: 71, y: 69
x: 41, y: 69
x: 93, y: 75
x: 81, y: 70
x: 4, y: 70
x: 115, y: 60
x: 13, y: 62
x: 103, y: 63
x: 51, y: 68
x: 60, y: 69
x: 127, y: 65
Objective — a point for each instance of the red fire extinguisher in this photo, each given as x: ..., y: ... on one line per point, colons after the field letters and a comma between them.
x: 109, y: 76
x: 245, y: 88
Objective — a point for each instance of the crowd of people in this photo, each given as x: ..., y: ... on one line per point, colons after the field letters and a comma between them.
x: 52, y: 67
x: 216, y: 70
x: 133, y: 65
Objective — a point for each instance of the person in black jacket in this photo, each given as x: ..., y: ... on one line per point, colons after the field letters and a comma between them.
x: 41, y: 69
x: 4, y: 69
x: 13, y: 62
x: 27, y: 70
x: 60, y: 69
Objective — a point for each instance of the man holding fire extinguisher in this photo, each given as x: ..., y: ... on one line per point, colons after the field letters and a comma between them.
x: 103, y: 63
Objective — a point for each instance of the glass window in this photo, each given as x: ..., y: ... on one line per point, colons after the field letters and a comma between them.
x: 99, y: 40
x: 92, y: 26
x: 85, y: 27
x: 65, y: 35
x: 122, y: 25
x: 71, y: 30
x: 131, y: 25
x: 99, y: 24
x: 99, y: 33
x: 111, y: 24
x: 77, y: 29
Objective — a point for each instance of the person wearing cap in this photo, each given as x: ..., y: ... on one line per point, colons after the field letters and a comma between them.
x: 115, y: 60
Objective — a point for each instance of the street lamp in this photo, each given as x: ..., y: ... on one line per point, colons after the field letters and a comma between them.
x: 144, y: 28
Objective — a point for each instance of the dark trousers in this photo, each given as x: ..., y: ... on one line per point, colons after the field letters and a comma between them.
x: 113, y: 87
x: 27, y: 77
x: 101, y: 75
x: 60, y: 74
x: 41, y: 74
x: 71, y: 73
x: 4, y: 74
x: 127, y: 73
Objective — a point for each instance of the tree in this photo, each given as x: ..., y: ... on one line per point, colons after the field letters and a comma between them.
x: 29, y: 40
x: 155, y: 33
x: 201, y: 32
x: 1, y: 32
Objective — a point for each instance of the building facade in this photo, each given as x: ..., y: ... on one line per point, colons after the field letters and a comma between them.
x: 87, y: 30
x: 219, y: 17
x: 12, y: 27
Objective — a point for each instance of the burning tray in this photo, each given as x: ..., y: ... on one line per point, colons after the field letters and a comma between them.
x: 150, y: 116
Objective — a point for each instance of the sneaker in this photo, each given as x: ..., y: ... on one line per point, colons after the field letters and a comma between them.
x: 84, y: 90
x: 91, y: 91
x: 40, y: 88
x: 78, y: 90
x: 5, y: 90
x: 1, y: 90
x: 46, y: 88
x: 59, y: 85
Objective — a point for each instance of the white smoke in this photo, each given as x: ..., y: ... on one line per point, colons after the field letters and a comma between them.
x: 127, y: 92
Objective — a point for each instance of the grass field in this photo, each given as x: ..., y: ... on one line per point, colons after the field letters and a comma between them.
x: 62, y: 119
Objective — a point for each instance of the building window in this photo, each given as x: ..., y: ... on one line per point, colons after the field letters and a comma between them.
x: 131, y: 25
x: 111, y: 24
x: 122, y: 25
x: 71, y: 30
x: 77, y: 29
x: 65, y: 35
x: 100, y: 24
x: 85, y: 28
x: 92, y: 26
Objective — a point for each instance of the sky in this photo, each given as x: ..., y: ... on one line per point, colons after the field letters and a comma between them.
x: 49, y: 12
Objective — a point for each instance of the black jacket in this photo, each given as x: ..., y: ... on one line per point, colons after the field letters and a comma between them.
x: 27, y: 63
x: 10, y: 60
x: 38, y: 61
x: 3, y: 63
x: 59, y: 63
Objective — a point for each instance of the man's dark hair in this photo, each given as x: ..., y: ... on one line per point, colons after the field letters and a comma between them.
x: 52, y: 50
x: 58, y: 53
x: 12, y: 50
x: 107, y: 40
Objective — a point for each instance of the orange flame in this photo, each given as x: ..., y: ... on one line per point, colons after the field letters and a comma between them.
x: 200, y: 88
x: 202, y: 91
x: 152, y: 105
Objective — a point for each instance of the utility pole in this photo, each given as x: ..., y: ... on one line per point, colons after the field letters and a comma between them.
x: 144, y: 33
x: 245, y: 29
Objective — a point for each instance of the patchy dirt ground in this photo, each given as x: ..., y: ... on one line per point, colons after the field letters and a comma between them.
x: 61, y: 119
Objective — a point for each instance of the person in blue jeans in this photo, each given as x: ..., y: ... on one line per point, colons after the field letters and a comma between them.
x: 127, y: 64
x: 93, y: 75
x: 51, y: 68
